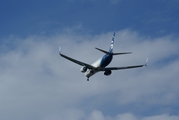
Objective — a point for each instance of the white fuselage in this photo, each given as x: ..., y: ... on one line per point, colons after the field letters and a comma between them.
x: 100, y: 63
x: 96, y: 64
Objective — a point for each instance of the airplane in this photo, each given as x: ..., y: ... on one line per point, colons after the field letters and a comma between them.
x: 100, y: 65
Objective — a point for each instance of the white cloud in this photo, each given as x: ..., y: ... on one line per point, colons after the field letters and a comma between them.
x: 126, y: 116
x: 162, y: 117
x: 97, y: 115
x: 36, y: 83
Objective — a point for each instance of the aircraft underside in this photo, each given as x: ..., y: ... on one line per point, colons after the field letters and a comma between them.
x: 90, y: 73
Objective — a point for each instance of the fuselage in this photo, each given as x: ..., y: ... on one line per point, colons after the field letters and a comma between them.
x: 100, y: 63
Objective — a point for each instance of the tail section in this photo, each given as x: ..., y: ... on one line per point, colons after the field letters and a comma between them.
x: 111, y: 48
x: 112, y: 44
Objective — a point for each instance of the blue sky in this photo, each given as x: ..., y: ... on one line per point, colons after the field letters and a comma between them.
x: 152, y: 18
x: 36, y: 83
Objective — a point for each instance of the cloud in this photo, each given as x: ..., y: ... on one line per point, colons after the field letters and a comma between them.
x: 97, y: 115
x: 162, y: 117
x: 36, y: 83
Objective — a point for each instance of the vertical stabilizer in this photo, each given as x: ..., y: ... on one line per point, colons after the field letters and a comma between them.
x: 112, y: 44
x: 111, y: 48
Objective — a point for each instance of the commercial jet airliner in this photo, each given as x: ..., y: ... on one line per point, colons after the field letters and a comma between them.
x: 100, y: 64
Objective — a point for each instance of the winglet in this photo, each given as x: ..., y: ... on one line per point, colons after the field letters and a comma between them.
x: 60, y: 50
x: 146, y: 62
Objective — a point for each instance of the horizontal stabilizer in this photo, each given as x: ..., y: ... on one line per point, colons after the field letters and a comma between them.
x: 102, y: 50
x: 106, y: 52
x: 122, y: 53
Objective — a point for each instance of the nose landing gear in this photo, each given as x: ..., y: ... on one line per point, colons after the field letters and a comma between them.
x: 87, y: 79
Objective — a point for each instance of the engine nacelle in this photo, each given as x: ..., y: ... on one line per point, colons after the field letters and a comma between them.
x: 83, y: 69
x: 107, y: 72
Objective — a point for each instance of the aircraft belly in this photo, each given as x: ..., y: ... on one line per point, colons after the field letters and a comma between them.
x: 90, y: 73
x: 106, y: 60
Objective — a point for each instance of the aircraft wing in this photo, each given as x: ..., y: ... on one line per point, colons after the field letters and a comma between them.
x: 125, y: 67
x: 120, y: 68
x: 76, y: 61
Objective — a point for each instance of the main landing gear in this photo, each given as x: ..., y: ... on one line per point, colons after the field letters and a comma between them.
x: 87, y: 79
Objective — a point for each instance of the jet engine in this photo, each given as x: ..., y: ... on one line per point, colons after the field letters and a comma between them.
x: 107, y: 72
x: 83, y: 69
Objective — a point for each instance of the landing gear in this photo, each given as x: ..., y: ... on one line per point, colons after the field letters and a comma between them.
x: 87, y: 79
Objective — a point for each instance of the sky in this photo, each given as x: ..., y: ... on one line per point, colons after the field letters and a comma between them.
x: 36, y: 83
